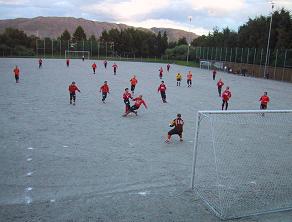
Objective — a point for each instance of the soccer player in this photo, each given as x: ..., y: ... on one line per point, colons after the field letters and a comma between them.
x: 83, y: 58
x: 189, y: 79
x: 162, y: 89
x: 115, y: 66
x: 220, y: 83
x: 127, y: 96
x: 72, y: 90
x: 138, y: 102
x: 225, y: 98
x: 160, y: 72
x: 168, y: 67
x: 264, y: 101
x: 104, y: 89
x: 68, y: 62
x: 105, y: 64
x: 94, y: 67
x: 16, y: 73
x: 40, y: 63
x: 178, y: 79
x: 214, y: 74
x: 133, y: 82
x: 178, y: 128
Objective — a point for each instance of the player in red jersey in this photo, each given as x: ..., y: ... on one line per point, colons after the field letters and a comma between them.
x: 189, y: 79
x: 168, y: 67
x: 133, y: 82
x: 104, y: 89
x: 72, y: 90
x: 220, y: 83
x: 16, y: 73
x: 214, y: 74
x: 115, y: 66
x: 127, y: 96
x: 138, y: 102
x: 94, y: 67
x: 40, y: 63
x: 68, y: 62
x: 160, y: 72
x: 225, y: 98
x: 162, y: 89
x: 264, y: 101
x: 178, y: 128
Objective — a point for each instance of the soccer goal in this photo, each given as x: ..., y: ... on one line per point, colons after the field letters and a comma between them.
x: 69, y: 54
x: 205, y: 64
x: 242, y: 161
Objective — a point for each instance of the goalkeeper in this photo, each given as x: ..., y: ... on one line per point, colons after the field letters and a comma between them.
x: 178, y: 128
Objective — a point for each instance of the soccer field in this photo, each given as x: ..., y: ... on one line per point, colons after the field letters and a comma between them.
x: 88, y: 163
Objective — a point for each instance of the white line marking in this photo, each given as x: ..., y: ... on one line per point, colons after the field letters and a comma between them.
x: 29, y: 174
x: 29, y: 159
x: 28, y: 189
x: 30, y: 148
x: 65, y: 146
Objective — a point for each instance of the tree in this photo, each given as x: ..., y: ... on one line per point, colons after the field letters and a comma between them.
x: 182, y: 41
x: 65, y: 35
x: 79, y: 34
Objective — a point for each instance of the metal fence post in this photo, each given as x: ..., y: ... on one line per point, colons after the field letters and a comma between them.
x: 284, y: 66
x: 275, y: 67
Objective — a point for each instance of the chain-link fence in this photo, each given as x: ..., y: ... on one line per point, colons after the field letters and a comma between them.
x: 250, y: 61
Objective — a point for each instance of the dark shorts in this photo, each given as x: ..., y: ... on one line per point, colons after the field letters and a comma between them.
x: 16, y: 77
x: 133, y: 87
x: 72, y: 96
x: 178, y: 80
x: 175, y: 131
x: 133, y: 108
x: 263, y: 106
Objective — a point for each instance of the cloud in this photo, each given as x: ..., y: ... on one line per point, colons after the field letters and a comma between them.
x: 13, y: 2
x: 126, y: 9
x: 217, y: 7
x: 165, y: 23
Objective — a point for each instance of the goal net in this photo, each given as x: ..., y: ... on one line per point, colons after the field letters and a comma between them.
x: 242, y: 162
x: 69, y: 54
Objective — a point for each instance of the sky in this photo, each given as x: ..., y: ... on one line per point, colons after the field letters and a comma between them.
x: 198, y: 16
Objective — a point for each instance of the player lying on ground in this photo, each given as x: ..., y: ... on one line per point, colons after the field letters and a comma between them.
x: 72, y: 90
x: 138, y: 102
x: 178, y: 128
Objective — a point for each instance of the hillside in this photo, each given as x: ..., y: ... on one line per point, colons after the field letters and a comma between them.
x: 53, y: 27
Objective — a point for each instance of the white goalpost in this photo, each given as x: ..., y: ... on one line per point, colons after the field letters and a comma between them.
x: 72, y: 54
x: 242, y: 161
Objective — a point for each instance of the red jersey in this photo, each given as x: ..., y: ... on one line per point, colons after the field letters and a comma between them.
x: 133, y: 81
x: 104, y: 88
x: 68, y: 61
x: 73, y: 88
x: 93, y: 66
x: 127, y: 95
x: 162, y: 88
x: 264, y: 100
x: 226, y: 95
x: 139, y: 102
x: 190, y: 76
x: 220, y: 84
x: 16, y: 71
x: 160, y: 71
x: 115, y: 66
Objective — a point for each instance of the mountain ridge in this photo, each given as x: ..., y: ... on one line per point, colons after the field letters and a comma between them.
x: 53, y: 27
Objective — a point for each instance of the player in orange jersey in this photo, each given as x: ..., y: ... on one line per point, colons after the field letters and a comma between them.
x: 189, y: 79
x: 104, y: 89
x: 220, y: 83
x: 16, y: 73
x: 94, y: 67
x: 72, y: 90
x: 264, y: 101
x: 133, y: 82
x: 225, y: 98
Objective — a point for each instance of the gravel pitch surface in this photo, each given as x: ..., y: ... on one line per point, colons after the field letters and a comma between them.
x: 61, y: 162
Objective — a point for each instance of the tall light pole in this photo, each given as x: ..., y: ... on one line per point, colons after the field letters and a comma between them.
x: 189, y: 42
x: 268, y: 44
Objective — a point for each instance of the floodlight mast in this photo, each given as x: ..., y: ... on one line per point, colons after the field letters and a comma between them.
x: 268, y: 44
x: 189, y: 42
